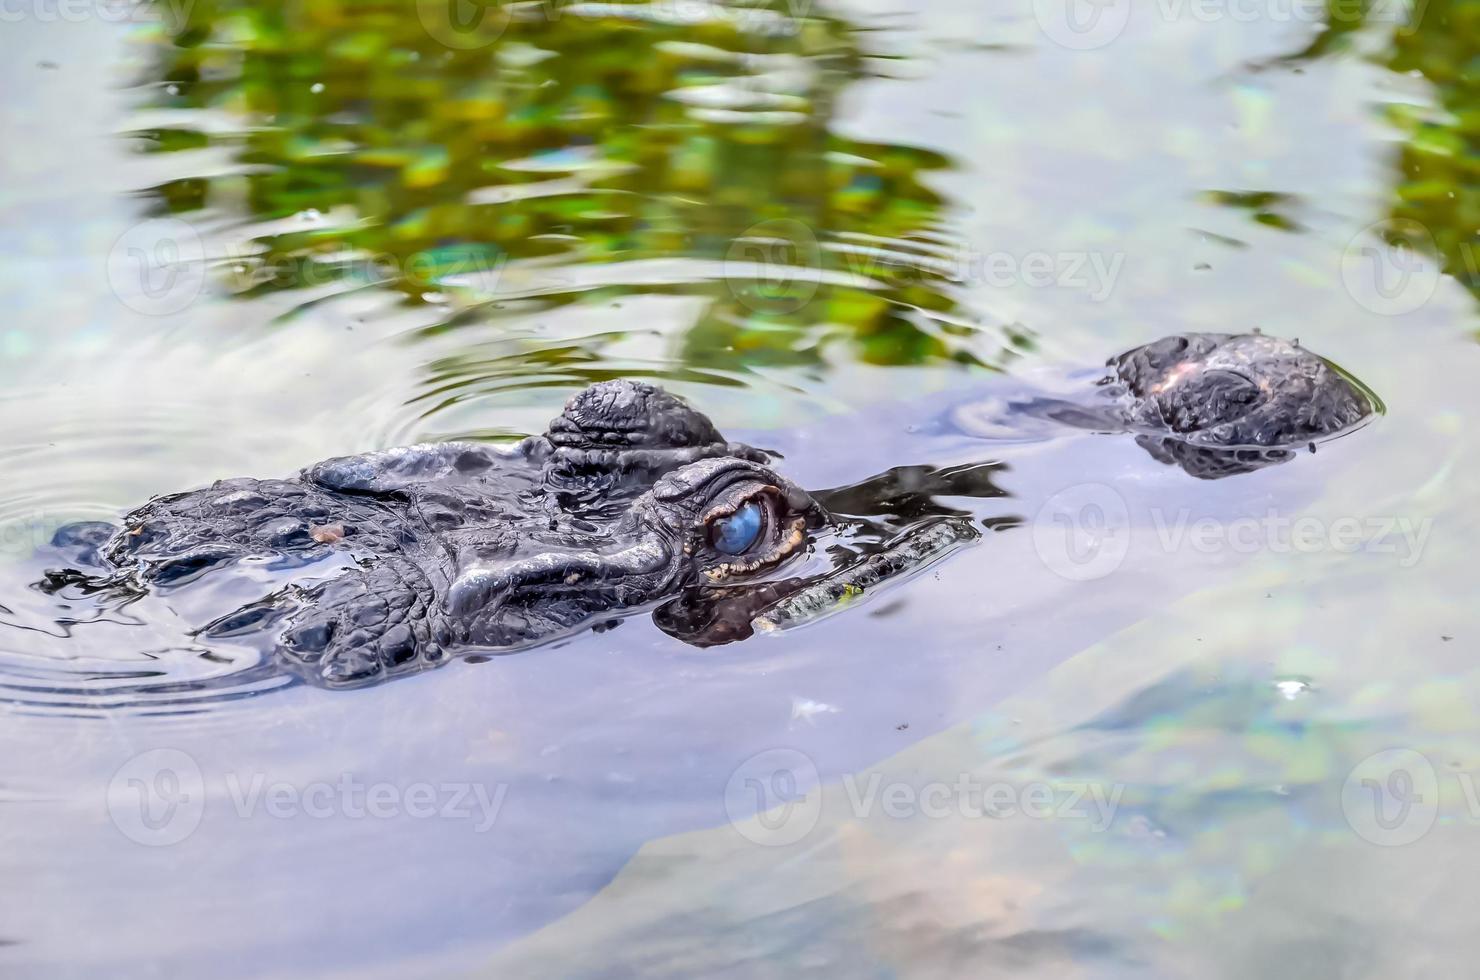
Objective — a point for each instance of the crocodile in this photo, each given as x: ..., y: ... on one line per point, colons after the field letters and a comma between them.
x: 632, y: 498
x: 630, y: 495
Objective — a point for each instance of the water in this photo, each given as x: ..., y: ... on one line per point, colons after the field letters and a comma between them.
x: 1227, y: 726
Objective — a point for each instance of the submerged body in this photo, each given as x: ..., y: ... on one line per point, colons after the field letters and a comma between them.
x: 632, y: 498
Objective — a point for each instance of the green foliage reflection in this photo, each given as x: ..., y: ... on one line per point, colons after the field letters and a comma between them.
x: 470, y: 156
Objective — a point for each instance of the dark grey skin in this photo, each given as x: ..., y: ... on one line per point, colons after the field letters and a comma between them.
x: 612, y: 438
x: 1220, y: 404
x: 460, y: 547
x: 457, y: 547
x: 1216, y: 405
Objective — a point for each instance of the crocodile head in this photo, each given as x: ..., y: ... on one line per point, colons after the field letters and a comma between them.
x: 526, y: 582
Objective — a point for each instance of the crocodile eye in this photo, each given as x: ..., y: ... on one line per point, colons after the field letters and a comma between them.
x: 735, y: 533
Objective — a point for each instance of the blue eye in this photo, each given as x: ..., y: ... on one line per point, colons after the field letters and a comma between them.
x: 733, y: 535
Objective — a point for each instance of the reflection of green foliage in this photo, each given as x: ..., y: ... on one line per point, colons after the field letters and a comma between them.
x: 1344, y: 18
x: 1266, y: 207
x: 367, y: 153
x: 1439, y: 167
x: 1440, y: 163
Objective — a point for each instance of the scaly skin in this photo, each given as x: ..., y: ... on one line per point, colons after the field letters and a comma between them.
x: 612, y: 440
x: 457, y: 547
x: 1214, y: 404
x: 1221, y: 404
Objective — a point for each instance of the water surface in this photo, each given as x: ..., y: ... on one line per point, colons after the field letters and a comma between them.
x: 267, y: 233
